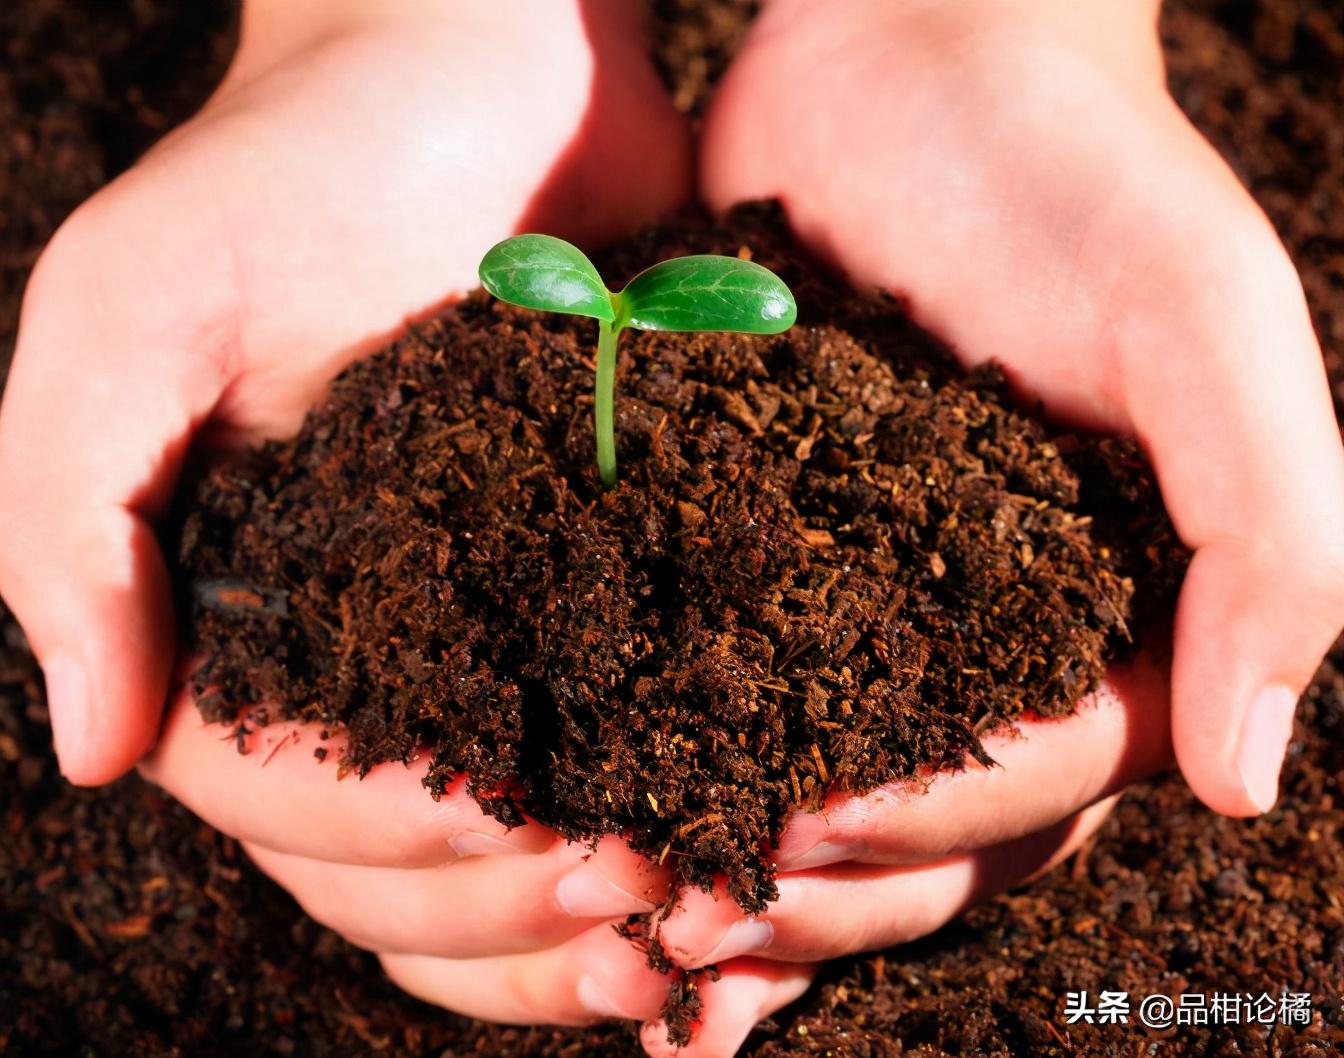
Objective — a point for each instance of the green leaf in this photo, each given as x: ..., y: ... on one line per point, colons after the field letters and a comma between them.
x: 707, y: 293
x: 543, y: 272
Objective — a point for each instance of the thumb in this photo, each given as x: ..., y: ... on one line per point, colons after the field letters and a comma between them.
x: 1228, y: 393
x: 101, y: 400
x: 1253, y: 622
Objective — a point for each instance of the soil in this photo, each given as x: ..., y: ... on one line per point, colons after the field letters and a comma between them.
x: 126, y: 927
x: 84, y: 89
x: 830, y: 563
x: 694, y: 41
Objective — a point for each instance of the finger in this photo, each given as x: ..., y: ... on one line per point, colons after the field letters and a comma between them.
x: 105, y: 389
x: 1045, y: 769
x: 279, y: 796
x: 597, y: 976
x: 1247, y: 449
x: 94, y: 601
x: 483, y: 906
x: 748, y: 991
x: 1249, y: 640
x: 837, y: 911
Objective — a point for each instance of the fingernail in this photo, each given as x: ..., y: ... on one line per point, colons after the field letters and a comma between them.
x: 585, y: 892
x: 812, y: 840
x: 822, y: 854
x: 1265, y: 735
x: 473, y: 844
x: 594, y: 999
x: 743, y: 938
x: 70, y: 707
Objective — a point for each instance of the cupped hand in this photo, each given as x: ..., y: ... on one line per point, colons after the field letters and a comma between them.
x: 350, y: 172
x: 507, y: 925
x: 1017, y: 171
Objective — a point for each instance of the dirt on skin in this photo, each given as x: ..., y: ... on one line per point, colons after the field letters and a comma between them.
x: 126, y: 927
x: 829, y: 563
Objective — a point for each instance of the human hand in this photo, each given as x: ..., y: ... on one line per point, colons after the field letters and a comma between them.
x: 504, y: 925
x: 875, y: 871
x: 1017, y: 171
x: 350, y: 172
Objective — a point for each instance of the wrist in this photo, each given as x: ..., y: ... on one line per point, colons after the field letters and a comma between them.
x: 273, y: 30
x: 1119, y: 29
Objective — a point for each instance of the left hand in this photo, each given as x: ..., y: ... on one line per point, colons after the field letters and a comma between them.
x: 357, y: 161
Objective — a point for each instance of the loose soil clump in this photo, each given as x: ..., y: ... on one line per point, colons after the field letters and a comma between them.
x: 832, y: 562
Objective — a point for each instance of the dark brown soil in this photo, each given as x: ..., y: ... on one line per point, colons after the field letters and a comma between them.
x: 85, y: 88
x: 693, y: 42
x: 829, y: 563
x: 128, y: 928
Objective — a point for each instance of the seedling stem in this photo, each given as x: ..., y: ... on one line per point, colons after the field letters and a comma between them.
x: 604, y: 396
x: 697, y: 293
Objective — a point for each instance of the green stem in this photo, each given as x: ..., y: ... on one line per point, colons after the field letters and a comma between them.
x: 607, y: 336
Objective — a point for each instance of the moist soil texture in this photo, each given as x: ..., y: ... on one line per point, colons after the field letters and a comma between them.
x: 829, y: 563
x: 127, y: 927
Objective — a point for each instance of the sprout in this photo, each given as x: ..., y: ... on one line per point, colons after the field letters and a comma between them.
x: 698, y: 293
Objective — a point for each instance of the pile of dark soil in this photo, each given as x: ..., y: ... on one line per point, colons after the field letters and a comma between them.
x: 126, y: 927
x: 830, y: 563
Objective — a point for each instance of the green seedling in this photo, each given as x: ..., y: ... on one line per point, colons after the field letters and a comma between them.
x: 698, y: 293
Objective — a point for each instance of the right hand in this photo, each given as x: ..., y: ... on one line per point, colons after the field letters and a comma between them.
x: 357, y: 161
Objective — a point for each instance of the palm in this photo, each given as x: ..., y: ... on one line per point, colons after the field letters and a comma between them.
x: 1016, y: 186
x: 321, y: 202
x: 1019, y: 172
